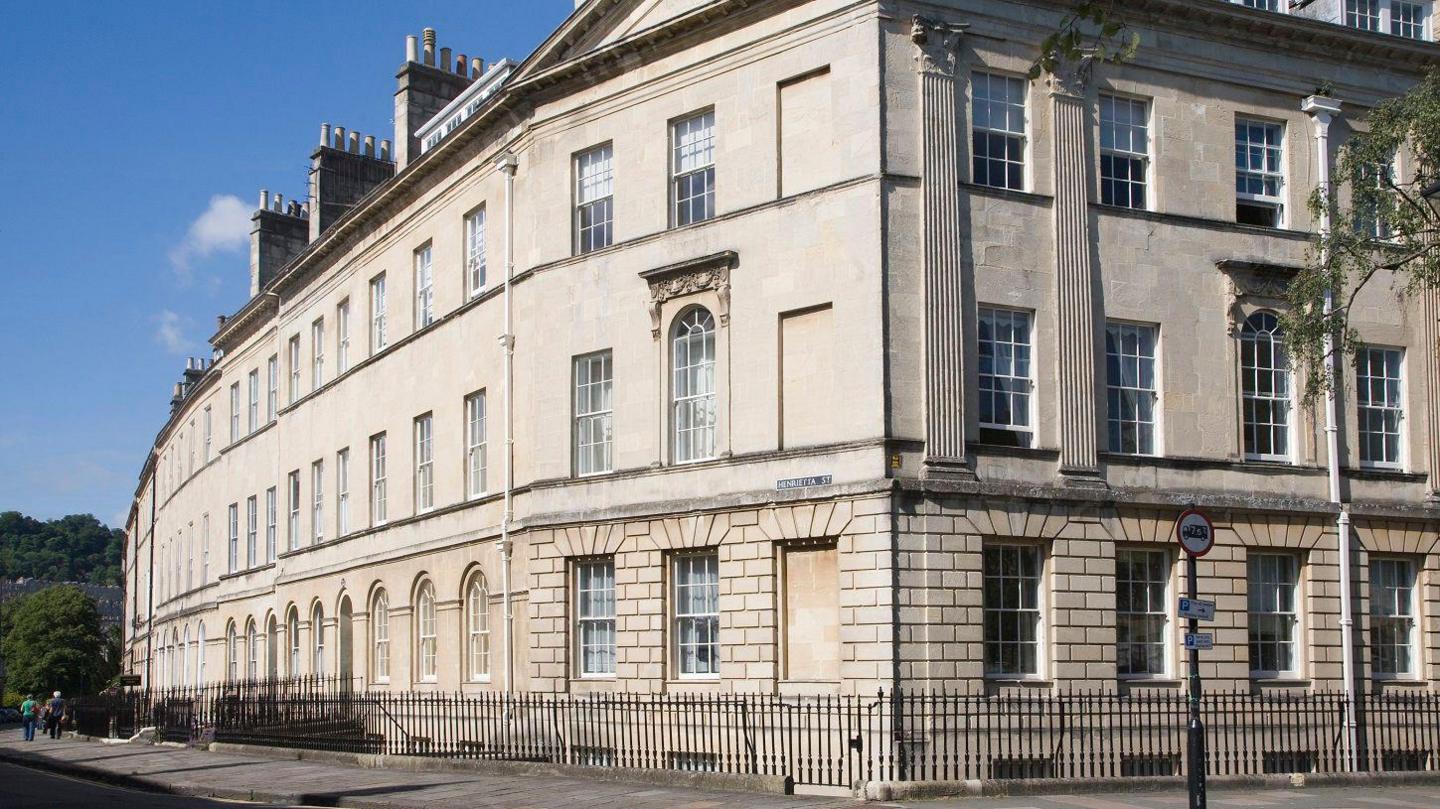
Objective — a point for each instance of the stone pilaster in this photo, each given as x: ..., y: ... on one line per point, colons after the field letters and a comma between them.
x: 940, y: 82
x: 1430, y: 357
x: 1074, y: 276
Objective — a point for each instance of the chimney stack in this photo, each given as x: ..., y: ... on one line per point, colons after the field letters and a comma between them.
x: 277, y: 234
x: 424, y: 88
x: 340, y: 175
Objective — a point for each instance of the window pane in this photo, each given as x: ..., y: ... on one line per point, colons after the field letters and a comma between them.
x: 1012, y: 609
x: 998, y: 136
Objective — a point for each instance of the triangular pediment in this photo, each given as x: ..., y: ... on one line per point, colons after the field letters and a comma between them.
x: 600, y: 23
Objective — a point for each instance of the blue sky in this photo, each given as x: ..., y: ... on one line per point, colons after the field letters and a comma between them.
x: 125, y: 129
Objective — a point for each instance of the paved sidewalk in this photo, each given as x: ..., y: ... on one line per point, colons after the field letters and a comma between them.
x: 222, y: 775
x: 1369, y: 797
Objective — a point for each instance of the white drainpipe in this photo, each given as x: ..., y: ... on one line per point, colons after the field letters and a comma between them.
x: 1322, y: 111
x: 507, y: 164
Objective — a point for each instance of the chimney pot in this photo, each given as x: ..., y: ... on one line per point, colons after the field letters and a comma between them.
x: 264, y: 199
x: 324, y: 134
x: 279, y: 202
x: 462, y: 65
x: 429, y: 35
x: 369, y: 145
x: 354, y: 142
x: 412, y: 48
x: 445, y: 59
x: 477, y: 67
x: 339, y: 138
x: 385, y: 149
x: 220, y: 321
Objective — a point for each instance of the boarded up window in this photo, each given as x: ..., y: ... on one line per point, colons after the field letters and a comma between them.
x: 812, y: 613
x: 809, y: 152
x: 807, y: 377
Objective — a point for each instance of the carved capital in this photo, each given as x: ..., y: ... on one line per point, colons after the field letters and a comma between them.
x: 710, y: 272
x: 937, y: 44
x: 1071, y: 76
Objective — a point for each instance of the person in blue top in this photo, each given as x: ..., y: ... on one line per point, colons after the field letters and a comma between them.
x: 55, y: 710
x: 27, y: 716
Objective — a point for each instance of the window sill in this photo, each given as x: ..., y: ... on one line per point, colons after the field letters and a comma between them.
x: 1278, y: 681
x: 1399, y: 681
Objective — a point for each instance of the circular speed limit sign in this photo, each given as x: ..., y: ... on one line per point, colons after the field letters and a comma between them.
x: 1195, y: 532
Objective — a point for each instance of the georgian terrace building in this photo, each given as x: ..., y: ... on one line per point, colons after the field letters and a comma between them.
x: 835, y: 353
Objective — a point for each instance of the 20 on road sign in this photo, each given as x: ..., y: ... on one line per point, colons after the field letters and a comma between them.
x: 1195, y: 532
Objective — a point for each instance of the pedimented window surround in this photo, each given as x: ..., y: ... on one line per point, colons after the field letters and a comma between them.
x: 688, y: 278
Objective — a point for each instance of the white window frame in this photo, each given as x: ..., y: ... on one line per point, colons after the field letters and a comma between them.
x: 253, y: 412
x: 317, y: 640
x: 983, y: 125
x: 342, y: 492
x: 426, y: 638
x: 1264, y: 173
x: 475, y: 252
x: 252, y: 530
x: 292, y: 525
x: 342, y: 337
x: 594, y: 580
x: 1365, y: 404
x: 692, y: 162
x: 1395, y: 22
x: 378, y: 336
x: 317, y: 353
x: 1131, y: 385
x: 272, y: 394
x: 1261, y: 5
x: 1012, y: 385
x: 594, y: 198
x: 1393, y: 601
x: 694, y: 387
x: 424, y: 463
x: 293, y: 349
x: 206, y: 422
x: 476, y: 460
x: 252, y: 652
x: 1038, y: 610
x: 424, y: 260
x: 703, y: 621
x: 234, y: 412
x: 1261, y: 330
x: 594, y: 413
x: 271, y: 526
x: 477, y: 630
x: 378, y: 493
x: 1258, y: 607
x: 317, y: 501
x: 1152, y: 609
x: 1117, y: 142
x: 233, y: 548
x: 380, y: 637
x: 292, y: 631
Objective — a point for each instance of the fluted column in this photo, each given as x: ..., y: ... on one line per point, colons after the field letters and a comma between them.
x: 1430, y: 356
x: 1074, y: 276
x: 940, y: 227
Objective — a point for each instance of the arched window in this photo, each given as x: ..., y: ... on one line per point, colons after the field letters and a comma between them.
x: 252, y: 648
x: 175, y: 659
x: 425, y: 631
x: 380, y: 637
x: 317, y: 634
x: 292, y: 637
x: 477, y: 628
x: 1265, y: 388
x: 232, y: 646
x: 272, y: 649
x: 185, y: 651
x: 200, y: 656
x: 692, y: 351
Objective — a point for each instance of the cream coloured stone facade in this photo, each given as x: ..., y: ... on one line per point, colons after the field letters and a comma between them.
x: 849, y: 256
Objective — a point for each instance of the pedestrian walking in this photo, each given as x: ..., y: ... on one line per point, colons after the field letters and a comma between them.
x: 28, y: 710
x: 53, y: 711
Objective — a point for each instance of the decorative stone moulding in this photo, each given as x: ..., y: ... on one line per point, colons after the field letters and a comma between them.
x: 711, y: 272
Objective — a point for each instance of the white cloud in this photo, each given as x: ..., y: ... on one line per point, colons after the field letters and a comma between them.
x: 223, y: 226
x: 170, y: 332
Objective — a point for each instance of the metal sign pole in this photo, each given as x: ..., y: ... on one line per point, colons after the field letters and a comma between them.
x: 1195, y: 764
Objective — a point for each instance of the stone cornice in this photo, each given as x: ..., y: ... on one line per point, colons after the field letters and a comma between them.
x: 671, y: 281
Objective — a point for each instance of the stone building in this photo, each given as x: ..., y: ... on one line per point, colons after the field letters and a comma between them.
x: 835, y: 354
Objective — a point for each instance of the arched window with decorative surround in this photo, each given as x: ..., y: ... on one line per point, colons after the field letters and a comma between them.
x: 426, y: 642
x: 1265, y: 388
x: 232, y: 653
x: 252, y: 651
x: 200, y: 655
x: 692, y: 380
x: 317, y: 640
x: 477, y: 629
x: 292, y: 639
x: 272, y: 648
x: 185, y: 652
x: 380, y: 637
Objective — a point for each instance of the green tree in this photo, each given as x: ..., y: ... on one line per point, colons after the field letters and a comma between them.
x: 74, y: 548
x: 1384, y: 226
x: 55, y: 643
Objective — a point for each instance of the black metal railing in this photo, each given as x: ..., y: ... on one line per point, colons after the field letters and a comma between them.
x: 836, y: 740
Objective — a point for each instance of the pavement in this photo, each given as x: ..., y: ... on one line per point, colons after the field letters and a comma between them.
x: 83, y: 774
